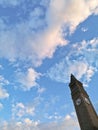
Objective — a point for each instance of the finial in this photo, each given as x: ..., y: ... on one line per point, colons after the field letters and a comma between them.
x: 73, y: 79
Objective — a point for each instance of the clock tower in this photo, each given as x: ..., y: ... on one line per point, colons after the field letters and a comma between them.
x: 85, y: 111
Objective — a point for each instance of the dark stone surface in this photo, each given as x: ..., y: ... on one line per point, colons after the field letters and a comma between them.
x: 85, y: 111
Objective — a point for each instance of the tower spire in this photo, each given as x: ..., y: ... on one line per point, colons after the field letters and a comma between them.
x: 74, y: 82
x: 86, y: 113
x: 73, y: 79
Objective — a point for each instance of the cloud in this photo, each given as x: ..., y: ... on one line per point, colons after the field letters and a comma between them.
x: 84, y: 29
x: 1, y: 106
x: 41, y: 90
x: 96, y: 11
x: 5, y: 3
x: 82, y: 61
x: 38, y: 37
x: 28, y: 80
x: 20, y: 110
x: 26, y: 124
x: 30, y: 123
x: 3, y: 91
x: 68, y: 123
x: 71, y: 12
x: 3, y: 81
x: 1, y: 67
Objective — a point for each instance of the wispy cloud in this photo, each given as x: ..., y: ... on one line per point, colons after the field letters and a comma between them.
x: 1, y: 106
x: 20, y: 110
x: 68, y: 123
x: 84, y: 29
x: 81, y: 61
x: 41, y: 90
x: 3, y: 91
x: 32, y: 40
x: 28, y: 80
x: 1, y: 67
x: 5, y: 3
x: 3, y: 81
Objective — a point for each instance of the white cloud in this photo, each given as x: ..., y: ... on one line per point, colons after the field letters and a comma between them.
x: 41, y: 90
x: 71, y: 12
x: 1, y: 106
x: 9, y: 2
x: 27, y: 124
x: 1, y: 67
x: 44, y: 3
x: 82, y: 61
x: 61, y: 71
x: 25, y: 44
x: 96, y: 11
x: 84, y: 29
x: 68, y: 124
x: 20, y: 110
x: 54, y: 117
x: 30, y: 123
x: 3, y: 81
x: 3, y: 93
x: 68, y: 117
x: 28, y: 80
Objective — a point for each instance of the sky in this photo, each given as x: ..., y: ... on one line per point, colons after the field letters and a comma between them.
x: 41, y: 43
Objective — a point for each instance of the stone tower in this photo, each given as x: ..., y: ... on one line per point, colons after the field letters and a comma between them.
x: 86, y: 114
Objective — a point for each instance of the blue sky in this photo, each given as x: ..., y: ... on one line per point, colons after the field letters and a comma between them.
x: 41, y: 43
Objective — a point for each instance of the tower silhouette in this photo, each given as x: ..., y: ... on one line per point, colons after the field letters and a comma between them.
x: 85, y: 111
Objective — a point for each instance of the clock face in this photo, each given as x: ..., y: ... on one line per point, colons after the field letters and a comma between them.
x: 78, y: 101
x: 86, y: 100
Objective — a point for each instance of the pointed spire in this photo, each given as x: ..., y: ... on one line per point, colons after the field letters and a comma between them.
x: 73, y: 79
